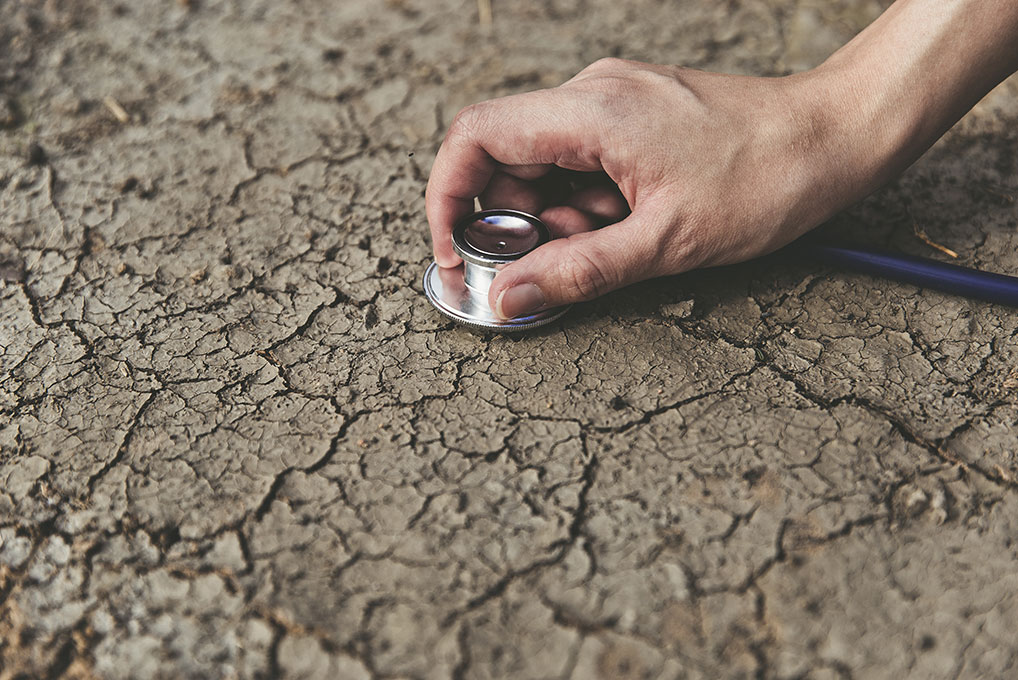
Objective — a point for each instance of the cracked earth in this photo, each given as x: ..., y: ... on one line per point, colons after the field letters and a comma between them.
x: 236, y: 442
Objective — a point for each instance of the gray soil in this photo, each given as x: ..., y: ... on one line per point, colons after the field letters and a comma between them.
x: 235, y: 440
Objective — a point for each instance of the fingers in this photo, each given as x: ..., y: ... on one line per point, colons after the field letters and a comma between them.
x: 603, y: 202
x: 457, y: 177
x: 527, y: 172
x: 580, y: 267
x: 526, y: 132
x: 589, y: 207
x: 568, y: 202
x: 506, y: 191
x: 564, y: 221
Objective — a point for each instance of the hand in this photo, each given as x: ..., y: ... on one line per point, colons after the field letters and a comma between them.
x: 691, y: 169
x: 642, y: 171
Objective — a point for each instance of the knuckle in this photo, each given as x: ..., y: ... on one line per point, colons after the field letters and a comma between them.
x: 585, y: 276
x: 617, y: 83
x: 652, y: 79
x: 613, y: 83
x: 467, y: 122
x: 606, y: 64
x: 608, y: 92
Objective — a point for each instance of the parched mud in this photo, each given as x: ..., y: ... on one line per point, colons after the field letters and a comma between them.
x: 235, y: 441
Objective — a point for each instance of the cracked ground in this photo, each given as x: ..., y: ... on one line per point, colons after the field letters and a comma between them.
x: 236, y: 442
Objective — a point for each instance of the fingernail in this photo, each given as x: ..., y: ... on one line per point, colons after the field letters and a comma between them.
x: 520, y: 300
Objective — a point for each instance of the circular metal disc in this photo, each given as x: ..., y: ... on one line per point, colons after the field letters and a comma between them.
x: 505, y: 235
x: 446, y: 290
x: 493, y: 237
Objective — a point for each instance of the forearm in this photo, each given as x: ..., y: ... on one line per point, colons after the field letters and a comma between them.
x: 907, y: 78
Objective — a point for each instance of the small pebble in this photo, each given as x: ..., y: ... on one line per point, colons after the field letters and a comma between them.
x: 35, y: 154
x: 10, y: 116
x: 678, y: 310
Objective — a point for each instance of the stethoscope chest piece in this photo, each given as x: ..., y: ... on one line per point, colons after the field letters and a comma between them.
x: 486, y: 241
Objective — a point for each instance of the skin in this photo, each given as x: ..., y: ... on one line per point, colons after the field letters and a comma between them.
x: 642, y: 170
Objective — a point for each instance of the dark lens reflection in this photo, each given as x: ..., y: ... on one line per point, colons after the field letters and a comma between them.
x: 502, y: 235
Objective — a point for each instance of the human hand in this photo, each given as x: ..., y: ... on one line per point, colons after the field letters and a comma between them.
x: 644, y: 171
x: 691, y: 169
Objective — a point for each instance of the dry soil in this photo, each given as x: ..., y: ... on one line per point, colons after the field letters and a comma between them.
x: 235, y: 441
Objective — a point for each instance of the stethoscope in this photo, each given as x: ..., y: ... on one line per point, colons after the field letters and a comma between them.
x: 490, y: 239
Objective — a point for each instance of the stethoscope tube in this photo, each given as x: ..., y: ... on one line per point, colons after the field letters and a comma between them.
x: 919, y: 271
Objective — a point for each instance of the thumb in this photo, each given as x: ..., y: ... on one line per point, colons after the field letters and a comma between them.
x: 581, y: 267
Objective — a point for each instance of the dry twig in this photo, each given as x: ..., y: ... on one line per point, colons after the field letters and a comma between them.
x: 116, y: 109
x: 921, y: 235
x: 484, y: 14
x: 997, y: 193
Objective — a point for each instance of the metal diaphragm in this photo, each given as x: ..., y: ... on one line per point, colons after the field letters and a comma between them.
x: 486, y: 241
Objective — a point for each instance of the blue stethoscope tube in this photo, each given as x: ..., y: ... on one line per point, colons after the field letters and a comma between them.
x: 922, y: 272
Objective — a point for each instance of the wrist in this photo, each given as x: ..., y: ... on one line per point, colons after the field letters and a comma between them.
x: 891, y: 92
x: 869, y: 129
x: 840, y: 143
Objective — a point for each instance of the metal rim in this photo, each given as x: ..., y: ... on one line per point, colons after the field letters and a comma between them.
x: 525, y: 323
x: 471, y: 254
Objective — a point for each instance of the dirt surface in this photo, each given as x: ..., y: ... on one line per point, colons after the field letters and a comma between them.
x: 237, y: 442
